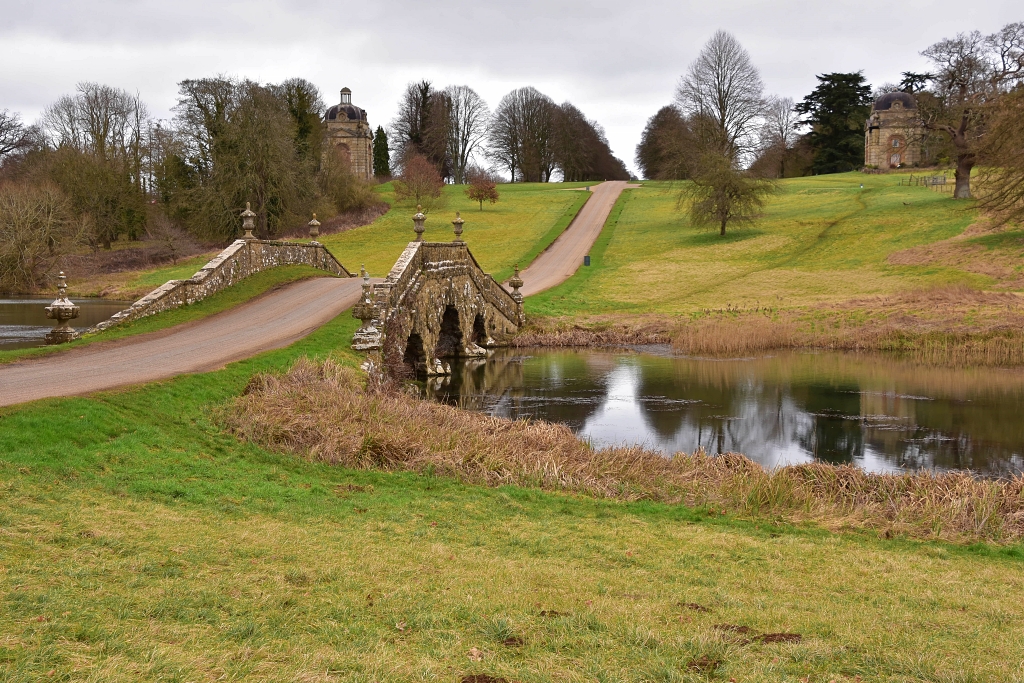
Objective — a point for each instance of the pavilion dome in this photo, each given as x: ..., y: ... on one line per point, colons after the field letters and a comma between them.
x: 886, y: 101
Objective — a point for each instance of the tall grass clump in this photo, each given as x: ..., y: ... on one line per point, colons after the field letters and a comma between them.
x: 325, y: 411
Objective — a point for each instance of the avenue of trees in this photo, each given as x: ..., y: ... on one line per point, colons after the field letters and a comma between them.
x: 528, y: 136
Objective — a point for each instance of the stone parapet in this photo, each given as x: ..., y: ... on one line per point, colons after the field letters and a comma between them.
x: 438, y: 302
x: 240, y: 260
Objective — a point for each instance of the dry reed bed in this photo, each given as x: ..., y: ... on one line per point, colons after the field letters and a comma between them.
x: 324, y: 411
x: 953, y: 326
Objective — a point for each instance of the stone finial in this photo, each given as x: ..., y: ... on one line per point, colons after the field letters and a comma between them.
x: 62, y: 310
x: 314, y: 228
x: 367, y: 337
x: 247, y: 224
x: 515, y: 282
x: 417, y: 223
x: 458, y: 228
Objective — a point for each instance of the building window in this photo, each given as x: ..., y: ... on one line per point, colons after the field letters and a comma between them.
x: 895, y: 144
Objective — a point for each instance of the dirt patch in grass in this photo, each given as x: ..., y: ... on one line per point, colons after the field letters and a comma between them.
x: 970, y: 253
x: 325, y: 412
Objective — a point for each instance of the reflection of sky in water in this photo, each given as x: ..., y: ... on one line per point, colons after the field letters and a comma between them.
x: 871, y: 412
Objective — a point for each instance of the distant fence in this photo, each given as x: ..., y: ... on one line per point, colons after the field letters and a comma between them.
x: 937, y: 183
x: 240, y: 260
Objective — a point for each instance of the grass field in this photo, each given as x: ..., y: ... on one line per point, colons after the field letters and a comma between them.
x: 526, y: 219
x: 821, y: 240
x: 142, y: 542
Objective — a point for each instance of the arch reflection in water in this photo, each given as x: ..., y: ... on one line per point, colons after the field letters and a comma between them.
x: 875, y: 412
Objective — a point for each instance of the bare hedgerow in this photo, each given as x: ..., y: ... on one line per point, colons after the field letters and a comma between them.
x: 324, y: 412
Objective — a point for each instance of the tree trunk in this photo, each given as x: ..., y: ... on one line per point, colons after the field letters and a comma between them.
x: 722, y: 233
x: 964, y: 164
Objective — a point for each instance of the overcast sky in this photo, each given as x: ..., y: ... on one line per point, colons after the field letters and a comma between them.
x: 617, y: 61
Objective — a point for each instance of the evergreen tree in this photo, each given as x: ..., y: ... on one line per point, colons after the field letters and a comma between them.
x: 381, y: 155
x: 836, y: 112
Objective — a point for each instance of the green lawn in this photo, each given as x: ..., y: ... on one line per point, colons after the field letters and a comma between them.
x: 138, y: 541
x: 526, y: 219
x: 821, y: 239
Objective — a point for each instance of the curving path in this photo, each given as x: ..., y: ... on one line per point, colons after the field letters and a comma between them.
x: 269, y: 321
x: 563, y: 258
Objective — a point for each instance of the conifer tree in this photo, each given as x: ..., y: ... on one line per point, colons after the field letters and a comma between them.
x: 381, y: 154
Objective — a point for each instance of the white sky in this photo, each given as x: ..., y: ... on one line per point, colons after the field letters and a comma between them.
x: 617, y: 61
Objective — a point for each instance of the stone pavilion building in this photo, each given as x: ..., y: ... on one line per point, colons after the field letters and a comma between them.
x: 893, y: 132
x: 349, y: 132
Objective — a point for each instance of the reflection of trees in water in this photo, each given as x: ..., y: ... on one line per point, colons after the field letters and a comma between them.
x: 839, y: 408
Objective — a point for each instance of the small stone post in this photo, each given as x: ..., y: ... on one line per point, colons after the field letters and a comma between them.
x: 515, y: 282
x: 247, y: 225
x: 61, y: 310
x: 458, y: 229
x: 314, y: 229
x: 417, y: 222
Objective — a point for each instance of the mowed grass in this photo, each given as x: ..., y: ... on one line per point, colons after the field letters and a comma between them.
x: 822, y: 239
x: 524, y: 221
x: 139, y: 541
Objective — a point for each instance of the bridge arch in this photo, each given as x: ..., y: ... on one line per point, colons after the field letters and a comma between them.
x: 438, y: 303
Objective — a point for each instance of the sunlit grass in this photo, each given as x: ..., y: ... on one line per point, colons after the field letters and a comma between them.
x: 526, y: 219
x: 822, y: 239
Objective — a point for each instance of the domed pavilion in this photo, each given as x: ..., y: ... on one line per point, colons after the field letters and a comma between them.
x: 349, y: 133
x: 892, y: 136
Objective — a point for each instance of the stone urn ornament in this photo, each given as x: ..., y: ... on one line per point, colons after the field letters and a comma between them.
x: 417, y: 223
x: 314, y: 229
x: 515, y: 282
x: 247, y: 223
x: 367, y: 337
x: 458, y: 229
x: 62, y: 310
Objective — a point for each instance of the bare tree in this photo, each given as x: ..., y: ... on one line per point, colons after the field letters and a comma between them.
x: 13, y: 134
x: 779, y: 131
x: 972, y: 72
x: 521, y: 134
x: 107, y: 122
x: 722, y: 93
x: 37, y: 228
x: 468, y: 116
x: 1001, y: 180
x: 419, y: 181
x: 667, y: 146
x: 421, y: 126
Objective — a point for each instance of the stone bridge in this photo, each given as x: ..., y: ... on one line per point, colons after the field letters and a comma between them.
x: 436, y: 303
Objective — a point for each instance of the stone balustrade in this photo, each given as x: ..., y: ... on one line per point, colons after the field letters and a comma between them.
x: 241, y: 259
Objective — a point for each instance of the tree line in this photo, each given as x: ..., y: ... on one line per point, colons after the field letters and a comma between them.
x: 527, y: 136
x: 963, y: 99
x: 97, y: 167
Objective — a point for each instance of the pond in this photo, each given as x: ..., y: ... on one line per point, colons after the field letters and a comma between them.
x: 875, y: 412
x: 23, y: 321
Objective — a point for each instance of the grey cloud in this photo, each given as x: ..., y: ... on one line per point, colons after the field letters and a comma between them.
x: 618, y: 61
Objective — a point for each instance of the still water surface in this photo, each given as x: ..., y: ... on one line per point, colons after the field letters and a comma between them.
x: 878, y: 413
x: 23, y: 321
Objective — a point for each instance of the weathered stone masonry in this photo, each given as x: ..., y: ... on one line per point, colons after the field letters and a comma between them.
x: 438, y: 303
x: 241, y: 259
